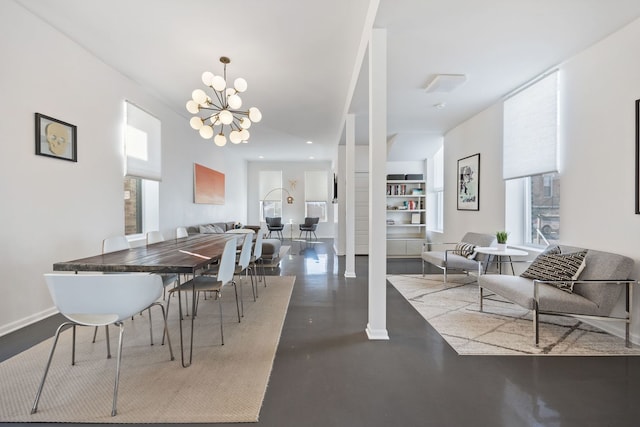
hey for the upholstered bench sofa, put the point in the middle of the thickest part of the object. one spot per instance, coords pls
(270, 247)
(592, 292)
(450, 259)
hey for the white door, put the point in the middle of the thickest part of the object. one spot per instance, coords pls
(362, 213)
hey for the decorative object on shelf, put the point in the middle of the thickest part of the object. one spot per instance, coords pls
(223, 109)
(55, 138)
(469, 183)
(208, 186)
(501, 237)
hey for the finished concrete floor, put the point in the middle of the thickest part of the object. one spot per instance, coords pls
(327, 373)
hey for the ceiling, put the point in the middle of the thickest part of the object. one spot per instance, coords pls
(302, 58)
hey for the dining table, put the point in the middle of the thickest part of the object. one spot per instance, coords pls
(186, 255)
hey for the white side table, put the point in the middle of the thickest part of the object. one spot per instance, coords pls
(500, 254)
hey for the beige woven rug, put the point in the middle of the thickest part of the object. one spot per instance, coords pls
(224, 383)
(502, 328)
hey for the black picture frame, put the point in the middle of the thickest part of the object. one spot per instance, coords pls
(637, 156)
(469, 183)
(55, 138)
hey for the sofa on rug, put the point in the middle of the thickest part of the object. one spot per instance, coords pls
(270, 247)
(457, 257)
(568, 281)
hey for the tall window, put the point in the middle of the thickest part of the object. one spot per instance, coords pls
(437, 196)
(143, 172)
(270, 194)
(530, 163)
(316, 194)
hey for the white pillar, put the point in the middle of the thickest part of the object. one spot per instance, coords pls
(377, 326)
(350, 197)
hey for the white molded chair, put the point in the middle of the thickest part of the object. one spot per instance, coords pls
(181, 232)
(256, 259)
(215, 284)
(242, 266)
(100, 300)
(115, 243)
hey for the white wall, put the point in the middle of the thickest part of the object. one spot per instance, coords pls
(480, 134)
(55, 210)
(598, 88)
(291, 171)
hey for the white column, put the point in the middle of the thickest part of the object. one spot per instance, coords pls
(377, 326)
(350, 197)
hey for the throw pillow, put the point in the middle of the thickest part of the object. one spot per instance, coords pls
(207, 229)
(218, 229)
(557, 267)
(464, 249)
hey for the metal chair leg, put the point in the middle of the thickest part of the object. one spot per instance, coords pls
(219, 297)
(34, 408)
(119, 359)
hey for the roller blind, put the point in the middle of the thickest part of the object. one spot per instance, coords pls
(316, 186)
(438, 171)
(270, 180)
(143, 148)
(531, 130)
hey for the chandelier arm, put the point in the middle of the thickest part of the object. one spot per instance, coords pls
(219, 97)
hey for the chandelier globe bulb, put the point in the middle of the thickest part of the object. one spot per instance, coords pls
(220, 140)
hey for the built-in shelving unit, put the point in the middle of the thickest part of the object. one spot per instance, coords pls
(406, 217)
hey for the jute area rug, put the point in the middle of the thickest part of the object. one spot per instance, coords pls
(502, 328)
(224, 383)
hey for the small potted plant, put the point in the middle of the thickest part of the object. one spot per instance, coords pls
(501, 237)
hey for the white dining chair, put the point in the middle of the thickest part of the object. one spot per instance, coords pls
(181, 232)
(210, 283)
(101, 300)
(256, 259)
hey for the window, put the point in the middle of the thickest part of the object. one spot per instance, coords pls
(143, 172)
(530, 163)
(270, 189)
(436, 201)
(316, 194)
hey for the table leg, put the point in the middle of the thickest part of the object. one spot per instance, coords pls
(185, 365)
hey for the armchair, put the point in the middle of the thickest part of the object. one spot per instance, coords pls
(309, 226)
(449, 259)
(274, 223)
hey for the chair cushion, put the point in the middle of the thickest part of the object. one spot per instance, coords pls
(454, 261)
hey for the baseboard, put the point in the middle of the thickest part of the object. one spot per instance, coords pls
(26, 321)
(377, 334)
(350, 274)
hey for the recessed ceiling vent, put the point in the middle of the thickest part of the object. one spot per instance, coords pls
(444, 83)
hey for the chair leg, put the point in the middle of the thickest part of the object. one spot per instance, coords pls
(34, 408)
(165, 332)
(237, 305)
(150, 326)
(218, 296)
(481, 297)
(118, 361)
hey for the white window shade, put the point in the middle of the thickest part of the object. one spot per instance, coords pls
(316, 186)
(531, 130)
(270, 180)
(143, 144)
(438, 170)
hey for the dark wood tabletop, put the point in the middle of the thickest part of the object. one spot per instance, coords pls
(184, 255)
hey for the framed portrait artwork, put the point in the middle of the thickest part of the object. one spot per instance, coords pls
(55, 138)
(469, 183)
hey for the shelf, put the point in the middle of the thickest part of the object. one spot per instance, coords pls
(405, 238)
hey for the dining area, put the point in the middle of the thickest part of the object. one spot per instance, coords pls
(208, 319)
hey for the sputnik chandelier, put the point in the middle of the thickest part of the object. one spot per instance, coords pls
(222, 109)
